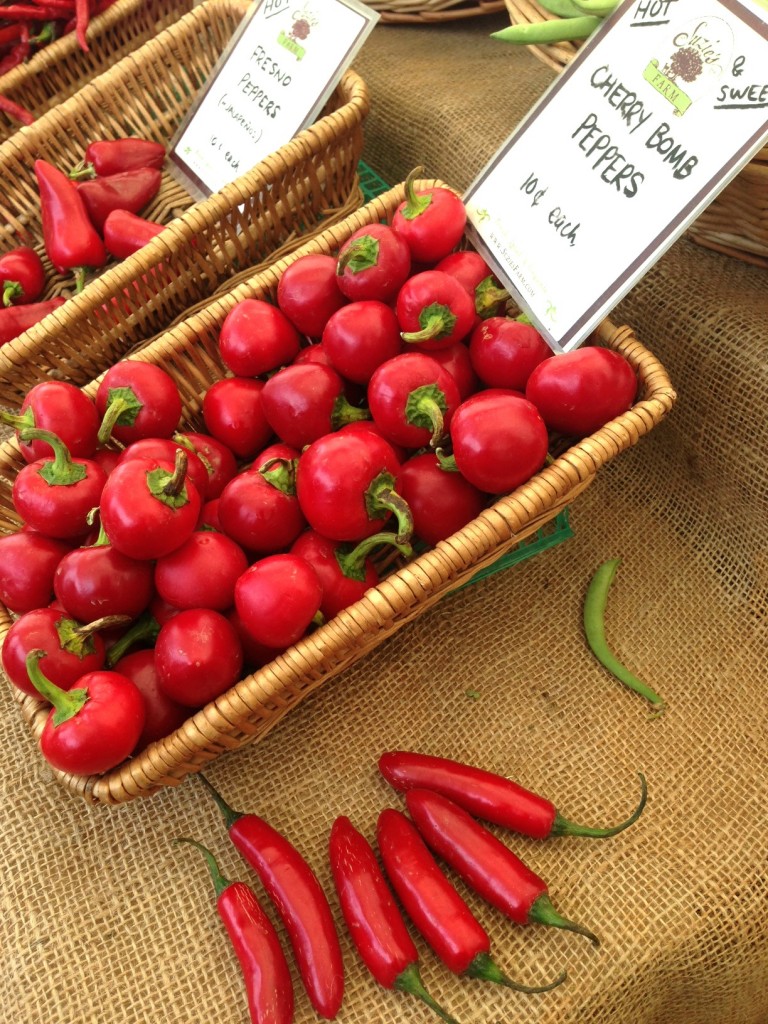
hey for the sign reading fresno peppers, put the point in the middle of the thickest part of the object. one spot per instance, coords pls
(659, 110)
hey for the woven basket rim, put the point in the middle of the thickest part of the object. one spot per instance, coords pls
(436, 13)
(399, 596)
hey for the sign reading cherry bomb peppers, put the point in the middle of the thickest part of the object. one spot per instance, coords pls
(659, 110)
(273, 80)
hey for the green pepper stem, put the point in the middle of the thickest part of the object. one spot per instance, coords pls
(594, 626)
(564, 827)
(352, 563)
(415, 204)
(66, 703)
(11, 290)
(344, 412)
(410, 981)
(281, 474)
(426, 407)
(361, 254)
(146, 627)
(82, 172)
(115, 409)
(436, 321)
(80, 273)
(220, 883)
(483, 966)
(543, 912)
(381, 496)
(61, 471)
(229, 815)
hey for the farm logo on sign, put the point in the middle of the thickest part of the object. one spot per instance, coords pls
(303, 22)
(697, 58)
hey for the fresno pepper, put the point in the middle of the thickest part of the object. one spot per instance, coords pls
(14, 320)
(22, 276)
(299, 899)
(372, 916)
(256, 944)
(437, 910)
(16, 111)
(125, 233)
(71, 241)
(484, 862)
(491, 797)
(113, 156)
(129, 190)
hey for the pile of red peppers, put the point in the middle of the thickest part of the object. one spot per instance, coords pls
(445, 800)
(88, 215)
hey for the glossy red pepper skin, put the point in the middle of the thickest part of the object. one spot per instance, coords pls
(71, 241)
(483, 861)
(14, 320)
(300, 901)
(431, 221)
(22, 276)
(125, 233)
(113, 156)
(484, 794)
(129, 190)
(256, 944)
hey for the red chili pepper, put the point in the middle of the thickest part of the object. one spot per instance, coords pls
(125, 232)
(19, 52)
(372, 916)
(484, 862)
(256, 945)
(490, 796)
(16, 111)
(431, 221)
(62, 408)
(91, 727)
(113, 156)
(10, 33)
(14, 320)
(437, 910)
(129, 190)
(299, 899)
(24, 12)
(71, 241)
(434, 310)
(82, 18)
(22, 276)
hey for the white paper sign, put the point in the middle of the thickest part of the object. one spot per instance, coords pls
(659, 110)
(277, 74)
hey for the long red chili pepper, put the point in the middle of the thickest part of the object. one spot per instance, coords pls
(484, 862)
(19, 52)
(82, 18)
(16, 111)
(435, 907)
(372, 916)
(490, 796)
(14, 320)
(71, 241)
(256, 945)
(299, 899)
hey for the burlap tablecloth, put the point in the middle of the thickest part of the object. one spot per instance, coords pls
(104, 922)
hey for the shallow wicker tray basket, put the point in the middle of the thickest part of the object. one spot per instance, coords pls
(432, 12)
(307, 183)
(61, 68)
(247, 712)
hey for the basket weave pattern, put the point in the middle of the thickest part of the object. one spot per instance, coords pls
(61, 68)
(431, 12)
(295, 192)
(247, 712)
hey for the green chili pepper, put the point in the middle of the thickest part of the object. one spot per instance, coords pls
(555, 31)
(594, 627)
(562, 8)
(600, 8)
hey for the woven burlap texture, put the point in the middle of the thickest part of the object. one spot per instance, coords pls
(105, 922)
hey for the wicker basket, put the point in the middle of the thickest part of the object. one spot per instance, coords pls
(255, 705)
(306, 184)
(60, 69)
(406, 12)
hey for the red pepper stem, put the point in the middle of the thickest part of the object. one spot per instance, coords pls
(415, 204)
(77, 637)
(380, 496)
(436, 321)
(61, 471)
(66, 703)
(82, 172)
(484, 967)
(220, 883)
(361, 254)
(426, 407)
(80, 273)
(174, 486)
(11, 290)
(564, 827)
(543, 912)
(146, 627)
(19, 421)
(344, 412)
(446, 462)
(410, 981)
(281, 474)
(229, 815)
(352, 563)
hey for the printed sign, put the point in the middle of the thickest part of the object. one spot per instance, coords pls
(659, 110)
(274, 79)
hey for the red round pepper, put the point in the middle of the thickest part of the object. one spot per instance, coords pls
(484, 862)
(372, 916)
(431, 221)
(22, 276)
(256, 944)
(491, 797)
(437, 910)
(64, 410)
(299, 899)
(71, 241)
(434, 310)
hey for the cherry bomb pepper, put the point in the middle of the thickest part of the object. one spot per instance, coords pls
(372, 916)
(71, 241)
(256, 945)
(484, 862)
(299, 899)
(491, 797)
(437, 910)
(22, 276)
